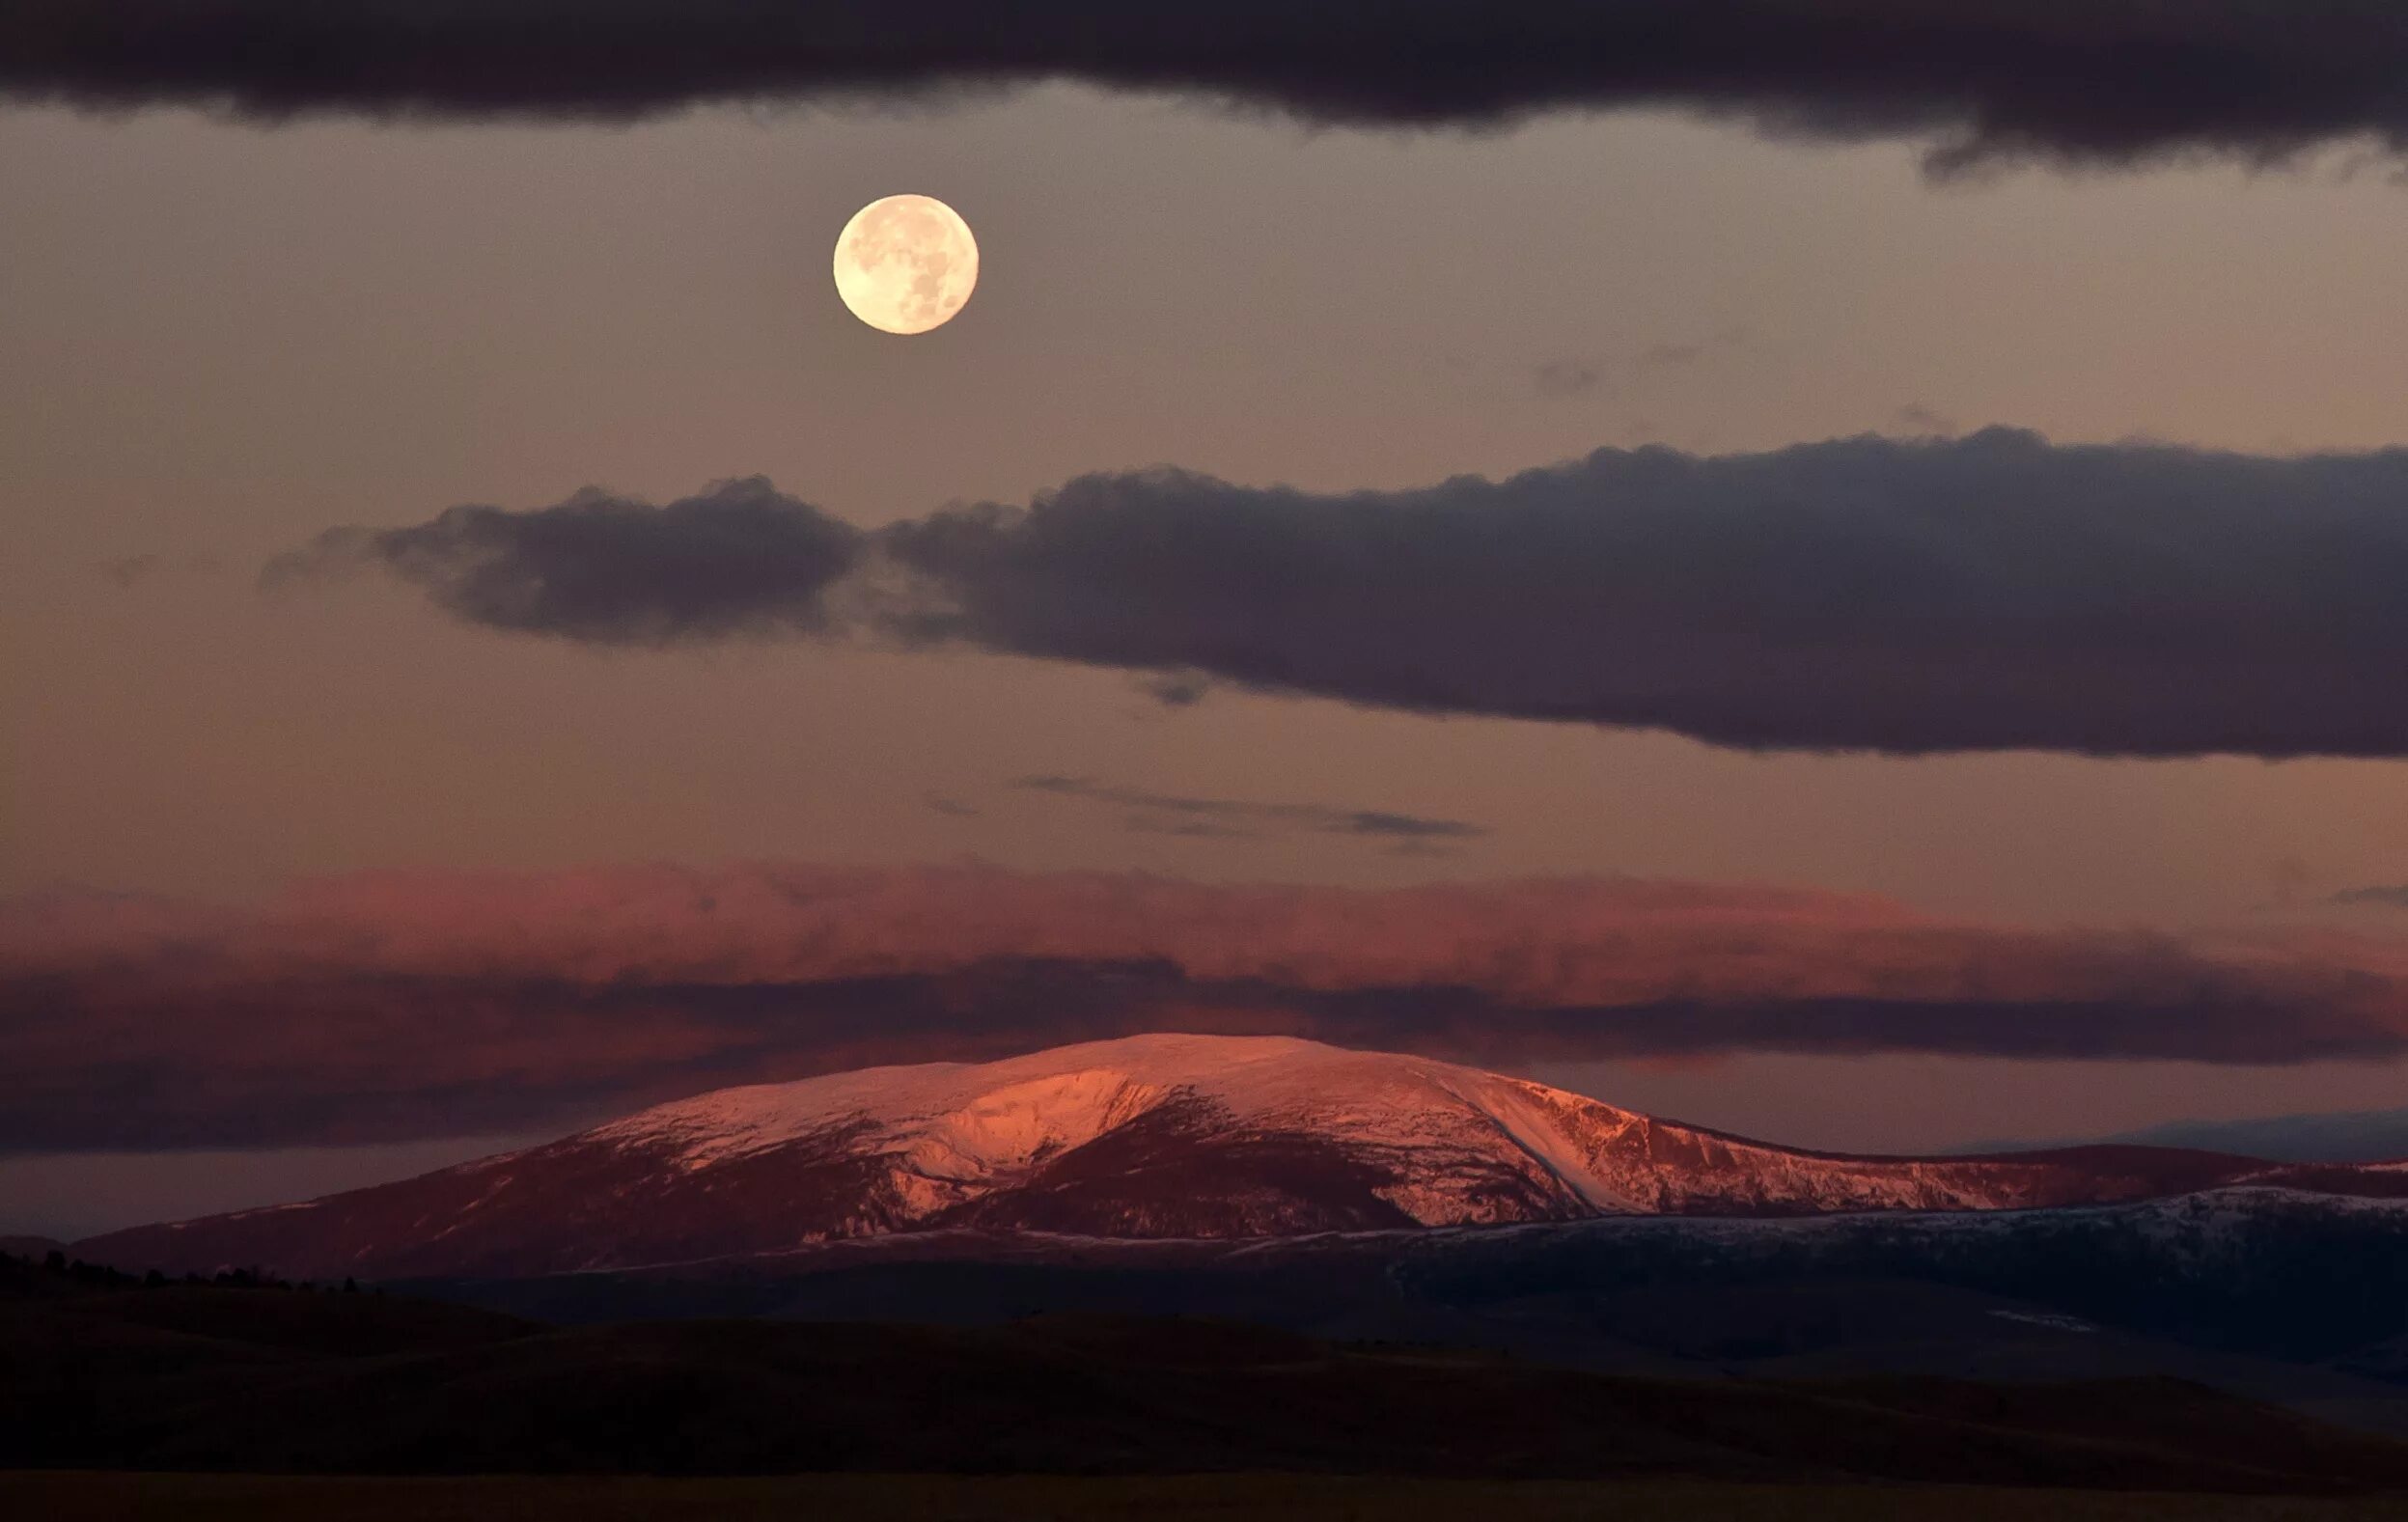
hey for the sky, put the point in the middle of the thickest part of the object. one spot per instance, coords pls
(1901, 575)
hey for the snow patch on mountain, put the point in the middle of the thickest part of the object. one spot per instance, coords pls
(1532, 1117)
(949, 1127)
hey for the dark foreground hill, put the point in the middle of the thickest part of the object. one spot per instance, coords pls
(122, 1497)
(200, 1377)
(2272, 1295)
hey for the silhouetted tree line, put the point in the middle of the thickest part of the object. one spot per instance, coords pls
(57, 1264)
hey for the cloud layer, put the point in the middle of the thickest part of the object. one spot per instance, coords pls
(1910, 596)
(2084, 81)
(384, 1007)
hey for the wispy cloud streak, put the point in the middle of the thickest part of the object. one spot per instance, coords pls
(1174, 813)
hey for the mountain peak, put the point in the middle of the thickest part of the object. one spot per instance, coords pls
(1006, 1113)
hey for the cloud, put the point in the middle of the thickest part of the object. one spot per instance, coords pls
(1565, 377)
(1673, 356)
(1229, 818)
(390, 1005)
(124, 571)
(739, 558)
(2067, 81)
(1188, 829)
(2381, 898)
(1990, 592)
(1179, 689)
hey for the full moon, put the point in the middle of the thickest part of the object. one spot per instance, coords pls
(906, 264)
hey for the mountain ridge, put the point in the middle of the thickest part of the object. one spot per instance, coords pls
(2350, 1136)
(1148, 1136)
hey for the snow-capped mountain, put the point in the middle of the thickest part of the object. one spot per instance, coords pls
(1149, 1136)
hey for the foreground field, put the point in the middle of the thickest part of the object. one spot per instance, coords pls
(64, 1497)
(116, 1397)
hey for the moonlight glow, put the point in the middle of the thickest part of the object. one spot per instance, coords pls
(906, 264)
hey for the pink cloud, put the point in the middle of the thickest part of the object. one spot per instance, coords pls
(394, 1004)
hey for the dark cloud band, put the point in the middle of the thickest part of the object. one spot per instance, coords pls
(737, 558)
(2089, 81)
(386, 1006)
(1991, 593)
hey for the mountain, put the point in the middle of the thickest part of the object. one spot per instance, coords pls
(1150, 1137)
(30, 1246)
(2357, 1136)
